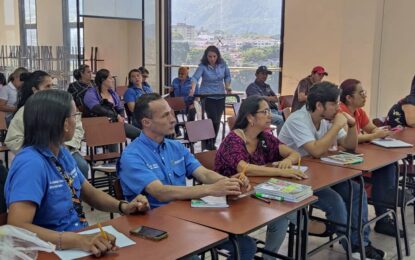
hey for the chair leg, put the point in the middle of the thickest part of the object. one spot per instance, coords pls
(405, 234)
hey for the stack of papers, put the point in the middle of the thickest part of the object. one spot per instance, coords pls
(290, 191)
(390, 143)
(210, 202)
(343, 159)
(105, 166)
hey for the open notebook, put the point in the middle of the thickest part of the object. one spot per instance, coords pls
(391, 143)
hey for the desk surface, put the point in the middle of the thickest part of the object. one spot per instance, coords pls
(406, 135)
(242, 217)
(320, 176)
(373, 159)
(184, 238)
(402, 150)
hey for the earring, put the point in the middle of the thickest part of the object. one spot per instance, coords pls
(252, 123)
(66, 130)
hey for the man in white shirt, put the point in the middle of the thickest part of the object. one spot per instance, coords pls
(312, 130)
(8, 94)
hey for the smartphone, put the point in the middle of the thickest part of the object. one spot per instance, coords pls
(149, 233)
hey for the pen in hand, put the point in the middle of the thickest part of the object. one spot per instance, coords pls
(103, 234)
(299, 163)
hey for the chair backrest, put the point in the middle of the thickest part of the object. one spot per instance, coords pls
(99, 131)
(200, 130)
(379, 121)
(286, 112)
(231, 121)
(3, 177)
(120, 90)
(119, 195)
(207, 159)
(236, 107)
(286, 101)
(176, 103)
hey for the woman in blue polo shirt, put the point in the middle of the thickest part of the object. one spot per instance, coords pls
(136, 88)
(103, 101)
(216, 79)
(44, 187)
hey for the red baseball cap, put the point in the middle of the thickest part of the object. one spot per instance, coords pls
(319, 70)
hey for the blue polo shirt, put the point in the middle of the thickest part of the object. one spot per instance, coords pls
(213, 78)
(134, 92)
(33, 177)
(144, 161)
(183, 89)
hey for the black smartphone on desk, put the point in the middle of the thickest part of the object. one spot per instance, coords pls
(149, 233)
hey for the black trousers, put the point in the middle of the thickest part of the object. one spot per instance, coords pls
(214, 110)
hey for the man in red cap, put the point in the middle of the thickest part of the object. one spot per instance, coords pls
(301, 92)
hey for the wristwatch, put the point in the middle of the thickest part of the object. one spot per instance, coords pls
(120, 206)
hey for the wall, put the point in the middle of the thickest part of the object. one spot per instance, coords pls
(369, 40)
(118, 42)
(49, 22)
(9, 22)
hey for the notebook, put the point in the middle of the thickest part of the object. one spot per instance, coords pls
(391, 143)
(290, 191)
(342, 159)
(210, 202)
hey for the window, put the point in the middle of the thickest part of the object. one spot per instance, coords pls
(28, 26)
(248, 35)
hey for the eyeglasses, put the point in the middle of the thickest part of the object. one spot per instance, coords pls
(363, 93)
(77, 114)
(266, 112)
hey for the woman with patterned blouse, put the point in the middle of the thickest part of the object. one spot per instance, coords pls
(250, 146)
(403, 112)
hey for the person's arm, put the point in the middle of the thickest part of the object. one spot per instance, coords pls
(21, 215)
(409, 111)
(371, 132)
(195, 79)
(6, 108)
(76, 140)
(319, 147)
(349, 142)
(301, 89)
(15, 132)
(262, 170)
(222, 187)
(104, 202)
(227, 80)
(131, 106)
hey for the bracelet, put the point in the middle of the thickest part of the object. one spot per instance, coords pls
(59, 246)
(120, 206)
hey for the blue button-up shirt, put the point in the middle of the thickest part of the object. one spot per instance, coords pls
(213, 78)
(183, 89)
(144, 161)
(134, 92)
(33, 177)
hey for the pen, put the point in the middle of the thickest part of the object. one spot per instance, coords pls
(262, 195)
(242, 175)
(103, 234)
(261, 199)
(299, 163)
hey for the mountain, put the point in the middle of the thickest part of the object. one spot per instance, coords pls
(235, 17)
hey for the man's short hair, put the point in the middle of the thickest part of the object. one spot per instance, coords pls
(142, 108)
(322, 92)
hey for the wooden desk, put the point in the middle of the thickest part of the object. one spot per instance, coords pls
(373, 159)
(406, 135)
(185, 238)
(320, 175)
(242, 217)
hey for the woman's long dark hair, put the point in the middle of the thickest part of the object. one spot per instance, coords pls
(413, 86)
(44, 117)
(30, 81)
(211, 48)
(348, 87)
(248, 107)
(100, 77)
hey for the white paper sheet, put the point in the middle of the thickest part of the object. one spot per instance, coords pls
(122, 241)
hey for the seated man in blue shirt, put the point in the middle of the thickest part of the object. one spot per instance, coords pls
(260, 88)
(158, 167)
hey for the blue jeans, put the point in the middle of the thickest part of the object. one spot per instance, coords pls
(333, 201)
(276, 232)
(277, 119)
(247, 247)
(383, 182)
(81, 163)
